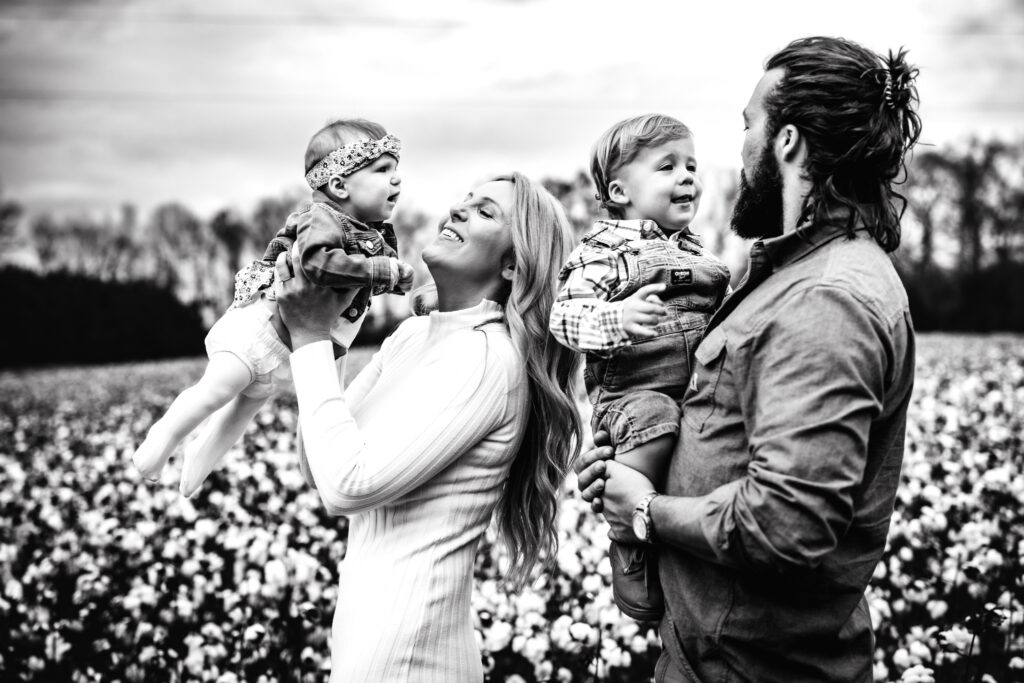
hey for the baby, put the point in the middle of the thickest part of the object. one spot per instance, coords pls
(635, 297)
(342, 242)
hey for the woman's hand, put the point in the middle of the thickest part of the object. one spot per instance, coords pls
(308, 311)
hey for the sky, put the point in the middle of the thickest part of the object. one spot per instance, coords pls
(211, 103)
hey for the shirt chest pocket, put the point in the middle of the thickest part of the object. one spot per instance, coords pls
(366, 243)
(700, 401)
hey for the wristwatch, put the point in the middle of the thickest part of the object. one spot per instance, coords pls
(643, 527)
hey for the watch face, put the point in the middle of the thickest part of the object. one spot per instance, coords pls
(640, 527)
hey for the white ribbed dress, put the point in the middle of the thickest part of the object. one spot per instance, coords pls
(415, 453)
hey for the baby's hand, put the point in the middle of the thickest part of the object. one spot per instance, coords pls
(405, 276)
(642, 310)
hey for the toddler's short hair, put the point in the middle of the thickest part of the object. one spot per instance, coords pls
(621, 143)
(339, 133)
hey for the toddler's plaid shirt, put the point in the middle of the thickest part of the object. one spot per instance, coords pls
(584, 318)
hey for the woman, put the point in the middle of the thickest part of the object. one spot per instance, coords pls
(461, 411)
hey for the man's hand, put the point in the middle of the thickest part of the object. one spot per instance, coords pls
(590, 467)
(642, 310)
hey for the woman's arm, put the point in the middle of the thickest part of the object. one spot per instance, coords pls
(307, 313)
(436, 413)
(356, 390)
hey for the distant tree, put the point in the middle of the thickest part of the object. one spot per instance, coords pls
(173, 234)
(10, 212)
(579, 199)
(123, 260)
(232, 232)
(175, 228)
(269, 217)
(46, 235)
(931, 192)
(1004, 202)
(974, 195)
(971, 169)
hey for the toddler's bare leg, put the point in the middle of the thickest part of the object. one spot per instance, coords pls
(224, 378)
(221, 433)
(651, 459)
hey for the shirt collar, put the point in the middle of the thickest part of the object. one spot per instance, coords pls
(323, 198)
(647, 230)
(445, 322)
(793, 246)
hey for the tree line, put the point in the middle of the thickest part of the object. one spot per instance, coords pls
(962, 256)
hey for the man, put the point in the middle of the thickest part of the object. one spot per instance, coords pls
(782, 483)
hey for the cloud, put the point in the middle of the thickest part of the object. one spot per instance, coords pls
(177, 99)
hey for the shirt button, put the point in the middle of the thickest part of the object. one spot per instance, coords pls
(352, 312)
(368, 244)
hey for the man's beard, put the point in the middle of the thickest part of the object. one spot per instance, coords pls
(757, 212)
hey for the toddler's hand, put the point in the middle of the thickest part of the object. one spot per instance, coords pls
(405, 276)
(642, 310)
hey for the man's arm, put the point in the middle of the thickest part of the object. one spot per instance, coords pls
(817, 381)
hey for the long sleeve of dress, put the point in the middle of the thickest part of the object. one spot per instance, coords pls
(340, 364)
(435, 412)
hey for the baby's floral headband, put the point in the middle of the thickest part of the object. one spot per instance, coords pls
(351, 158)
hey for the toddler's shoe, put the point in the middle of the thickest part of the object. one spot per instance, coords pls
(635, 584)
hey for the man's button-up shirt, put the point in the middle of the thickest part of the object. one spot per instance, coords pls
(789, 454)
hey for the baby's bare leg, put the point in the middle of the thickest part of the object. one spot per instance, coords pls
(280, 329)
(650, 459)
(226, 375)
(221, 433)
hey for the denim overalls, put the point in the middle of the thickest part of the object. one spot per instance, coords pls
(636, 391)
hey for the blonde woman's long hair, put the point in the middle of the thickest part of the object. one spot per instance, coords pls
(528, 511)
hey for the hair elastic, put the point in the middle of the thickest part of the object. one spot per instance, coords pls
(892, 88)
